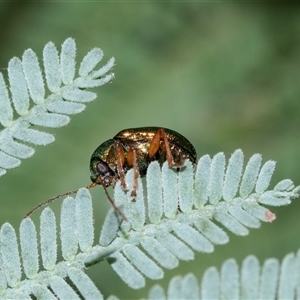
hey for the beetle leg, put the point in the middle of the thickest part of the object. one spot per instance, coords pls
(130, 157)
(132, 161)
(155, 145)
(168, 150)
(120, 162)
(136, 175)
(169, 153)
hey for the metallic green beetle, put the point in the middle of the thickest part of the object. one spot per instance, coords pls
(138, 146)
(133, 148)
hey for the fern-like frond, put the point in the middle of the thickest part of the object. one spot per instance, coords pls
(272, 280)
(77, 237)
(189, 211)
(177, 219)
(34, 99)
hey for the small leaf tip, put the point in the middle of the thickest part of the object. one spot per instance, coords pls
(270, 216)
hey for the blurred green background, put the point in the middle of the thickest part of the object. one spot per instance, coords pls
(225, 75)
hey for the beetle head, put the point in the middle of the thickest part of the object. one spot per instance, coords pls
(101, 173)
(100, 169)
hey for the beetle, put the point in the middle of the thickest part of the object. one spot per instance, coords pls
(133, 148)
(113, 158)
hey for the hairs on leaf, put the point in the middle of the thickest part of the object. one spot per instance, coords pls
(272, 280)
(26, 96)
(154, 237)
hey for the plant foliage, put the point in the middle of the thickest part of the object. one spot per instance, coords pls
(272, 280)
(191, 218)
(181, 211)
(26, 103)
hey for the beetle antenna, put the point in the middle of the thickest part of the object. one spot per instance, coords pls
(92, 185)
(48, 202)
(113, 204)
